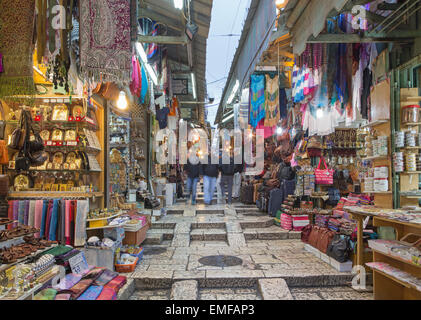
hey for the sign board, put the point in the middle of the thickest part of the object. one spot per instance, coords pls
(180, 87)
(78, 264)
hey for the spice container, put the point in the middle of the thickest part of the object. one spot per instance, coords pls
(411, 114)
(410, 138)
(400, 139)
(381, 185)
(398, 162)
(411, 162)
(381, 172)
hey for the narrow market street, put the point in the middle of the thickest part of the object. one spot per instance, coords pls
(235, 252)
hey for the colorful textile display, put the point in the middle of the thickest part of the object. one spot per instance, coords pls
(105, 40)
(91, 293)
(257, 99)
(112, 288)
(68, 282)
(16, 46)
(272, 100)
(46, 294)
(78, 289)
(105, 277)
(63, 296)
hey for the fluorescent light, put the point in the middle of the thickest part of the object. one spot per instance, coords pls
(141, 51)
(227, 118)
(193, 80)
(234, 92)
(178, 4)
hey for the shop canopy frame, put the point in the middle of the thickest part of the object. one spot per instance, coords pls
(184, 56)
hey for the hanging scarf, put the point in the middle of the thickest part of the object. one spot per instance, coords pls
(144, 89)
(17, 20)
(272, 101)
(82, 210)
(257, 92)
(105, 40)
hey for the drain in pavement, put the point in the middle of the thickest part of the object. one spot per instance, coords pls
(221, 261)
(153, 251)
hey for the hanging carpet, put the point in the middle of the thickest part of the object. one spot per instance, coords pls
(105, 40)
(16, 46)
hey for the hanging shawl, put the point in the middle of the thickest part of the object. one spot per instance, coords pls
(105, 34)
(135, 86)
(17, 20)
(144, 90)
(257, 92)
(272, 101)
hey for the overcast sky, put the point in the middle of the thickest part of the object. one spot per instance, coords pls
(227, 18)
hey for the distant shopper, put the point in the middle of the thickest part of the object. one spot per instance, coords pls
(193, 176)
(227, 177)
(210, 175)
(237, 180)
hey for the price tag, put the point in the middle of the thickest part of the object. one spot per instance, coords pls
(78, 263)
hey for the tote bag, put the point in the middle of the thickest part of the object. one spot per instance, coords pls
(323, 176)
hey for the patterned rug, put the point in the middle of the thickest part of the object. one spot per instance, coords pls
(105, 40)
(16, 46)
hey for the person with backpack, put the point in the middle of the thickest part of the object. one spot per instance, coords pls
(210, 175)
(193, 175)
(227, 179)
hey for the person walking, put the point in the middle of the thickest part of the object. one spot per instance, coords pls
(238, 169)
(193, 174)
(210, 175)
(227, 177)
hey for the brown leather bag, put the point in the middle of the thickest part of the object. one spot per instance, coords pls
(325, 239)
(314, 236)
(4, 154)
(305, 233)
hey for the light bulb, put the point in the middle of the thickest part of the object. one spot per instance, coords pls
(279, 2)
(122, 101)
(319, 113)
(279, 131)
(178, 4)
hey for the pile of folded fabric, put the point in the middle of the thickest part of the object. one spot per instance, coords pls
(347, 227)
(322, 220)
(95, 284)
(334, 224)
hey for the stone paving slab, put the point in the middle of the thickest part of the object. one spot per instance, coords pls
(274, 289)
(184, 290)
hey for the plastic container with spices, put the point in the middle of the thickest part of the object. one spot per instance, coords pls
(411, 161)
(411, 113)
(400, 139)
(410, 138)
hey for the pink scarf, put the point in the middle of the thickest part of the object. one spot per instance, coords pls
(67, 222)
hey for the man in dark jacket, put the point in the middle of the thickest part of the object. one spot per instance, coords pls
(193, 175)
(227, 177)
(210, 174)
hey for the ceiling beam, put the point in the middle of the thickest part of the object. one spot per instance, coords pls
(296, 13)
(368, 37)
(388, 6)
(183, 40)
(174, 24)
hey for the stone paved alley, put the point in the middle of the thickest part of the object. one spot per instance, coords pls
(273, 265)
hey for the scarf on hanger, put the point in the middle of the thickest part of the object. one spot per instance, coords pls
(38, 216)
(257, 99)
(105, 40)
(16, 45)
(82, 209)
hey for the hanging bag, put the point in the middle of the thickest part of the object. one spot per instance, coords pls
(323, 176)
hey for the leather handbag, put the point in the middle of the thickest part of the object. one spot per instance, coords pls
(305, 233)
(323, 176)
(4, 153)
(314, 236)
(17, 138)
(2, 129)
(22, 162)
(325, 239)
(338, 249)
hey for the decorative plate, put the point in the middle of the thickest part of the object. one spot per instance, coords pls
(57, 135)
(21, 181)
(78, 111)
(45, 135)
(71, 157)
(58, 158)
(70, 135)
(60, 113)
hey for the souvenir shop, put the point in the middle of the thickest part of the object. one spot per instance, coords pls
(342, 159)
(76, 153)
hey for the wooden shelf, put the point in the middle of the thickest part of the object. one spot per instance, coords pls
(403, 283)
(377, 192)
(375, 123)
(4, 267)
(397, 258)
(105, 218)
(54, 194)
(410, 148)
(376, 158)
(410, 172)
(409, 124)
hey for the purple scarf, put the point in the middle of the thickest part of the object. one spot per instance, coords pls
(68, 282)
(91, 293)
(105, 277)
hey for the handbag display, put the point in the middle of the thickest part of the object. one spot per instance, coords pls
(17, 137)
(323, 176)
(314, 236)
(4, 153)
